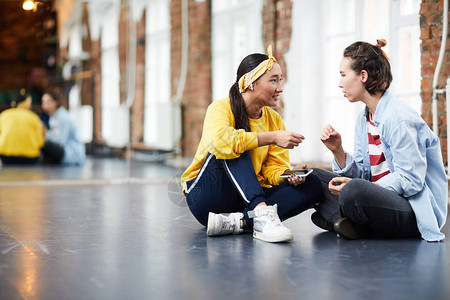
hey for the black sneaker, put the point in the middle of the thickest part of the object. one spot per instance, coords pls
(350, 230)
(319, 221)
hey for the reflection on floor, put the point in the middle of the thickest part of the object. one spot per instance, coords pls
(102, 232)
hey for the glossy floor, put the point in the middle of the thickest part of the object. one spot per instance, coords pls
(101, 232)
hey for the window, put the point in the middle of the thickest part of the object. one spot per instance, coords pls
(110, 72)
(241, 36)
(158, 116)
(405, 51)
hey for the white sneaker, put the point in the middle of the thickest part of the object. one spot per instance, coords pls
(223, 224)
(267, 225)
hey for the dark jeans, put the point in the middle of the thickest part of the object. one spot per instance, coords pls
(18, 160)
(226, 186)
(380, 210)
(52, 153)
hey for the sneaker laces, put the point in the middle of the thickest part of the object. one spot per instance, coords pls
(228, 224)
(272, 216)
(266, 213)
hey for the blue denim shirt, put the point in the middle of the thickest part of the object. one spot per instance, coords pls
(413, 155)
(64, 132)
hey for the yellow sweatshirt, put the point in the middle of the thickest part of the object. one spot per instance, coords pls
(21, 133)
(221, 139)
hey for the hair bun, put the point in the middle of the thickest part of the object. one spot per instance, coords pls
(381, 43)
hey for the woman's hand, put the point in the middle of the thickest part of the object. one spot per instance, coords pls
(296, 180)
(287, 139)
(331, 138)
(281, 138)
(337, 183)
(333, 141)
(300, 166)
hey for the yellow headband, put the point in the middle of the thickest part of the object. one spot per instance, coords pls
(250, 77)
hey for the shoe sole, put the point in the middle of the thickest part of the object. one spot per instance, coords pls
(347, 230)
(211, 222)
(273, 239)
(320, 222)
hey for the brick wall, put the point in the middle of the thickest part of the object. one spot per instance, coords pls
(198, 88)
(137, 109)
(277, 30)
(197, 92)
(97, 83)
(87, 81)
(124, 41)
(431, 34)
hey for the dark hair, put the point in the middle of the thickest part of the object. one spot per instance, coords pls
(20, 97)
(237, 102)
(54, 96)
(371, 58)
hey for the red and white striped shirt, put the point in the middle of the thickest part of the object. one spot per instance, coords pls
(378, 164)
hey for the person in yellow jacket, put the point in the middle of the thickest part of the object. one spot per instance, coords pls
(234, 179)
(21, 133)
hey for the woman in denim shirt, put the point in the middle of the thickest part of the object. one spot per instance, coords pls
(62, 144)
(395, 184)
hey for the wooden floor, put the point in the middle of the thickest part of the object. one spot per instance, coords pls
(104, 231)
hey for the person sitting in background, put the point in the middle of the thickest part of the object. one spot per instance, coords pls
(62, 145)
(21, 132)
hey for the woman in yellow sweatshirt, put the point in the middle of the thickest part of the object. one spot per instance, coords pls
(21, 133)
(234, 179)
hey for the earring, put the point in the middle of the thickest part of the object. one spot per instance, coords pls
(251, 86)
